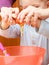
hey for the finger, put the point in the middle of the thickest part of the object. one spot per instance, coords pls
(22, 15)
(35, 19)
(13, 22)
(15, 12)
(14, 16)
(28, 17)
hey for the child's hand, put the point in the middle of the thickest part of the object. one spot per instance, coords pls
(38, 13)
(26, 14)
(5, 18)
(13, 12)
(29, 15)
(7, 15)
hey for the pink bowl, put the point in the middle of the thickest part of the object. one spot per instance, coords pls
(23, 55)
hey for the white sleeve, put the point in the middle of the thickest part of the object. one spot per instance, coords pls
(12, 32)
(44, 28)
